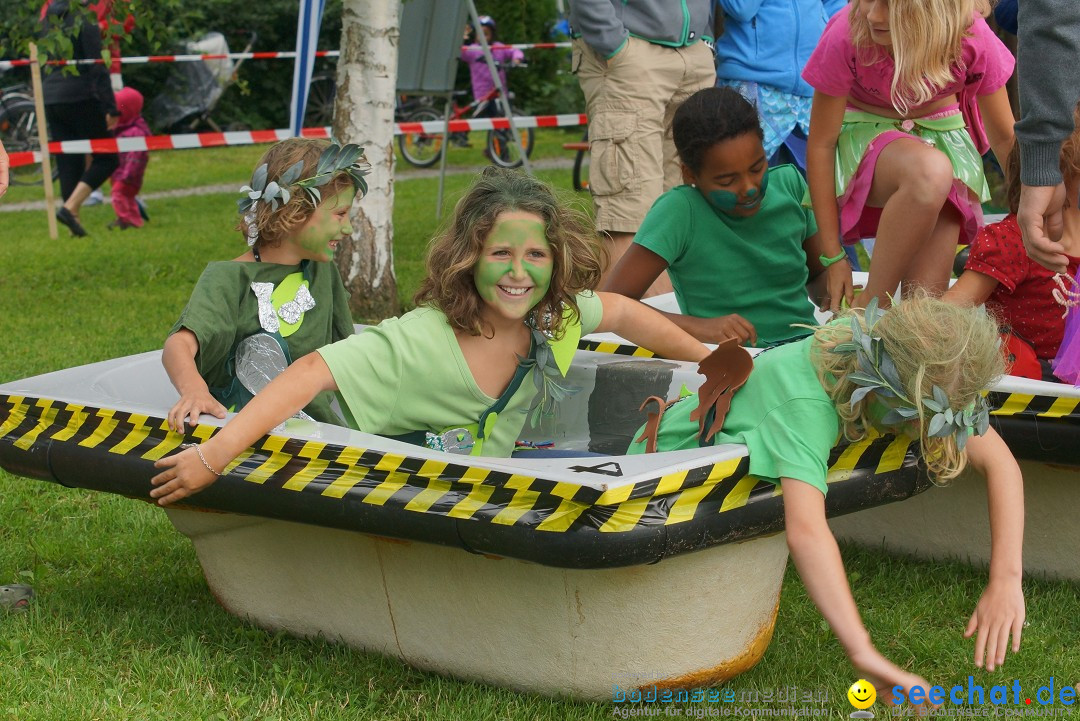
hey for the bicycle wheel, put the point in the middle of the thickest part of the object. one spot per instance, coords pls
(501, 148)
(581, 167)
(19, 131)
(421, 149)
(320, 106)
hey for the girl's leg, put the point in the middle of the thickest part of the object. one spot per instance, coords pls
(931, 267)
(911, 183)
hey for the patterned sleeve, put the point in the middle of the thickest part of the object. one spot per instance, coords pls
(831, 67)
(998, 252)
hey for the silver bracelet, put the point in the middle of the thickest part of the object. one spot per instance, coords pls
(198, 450)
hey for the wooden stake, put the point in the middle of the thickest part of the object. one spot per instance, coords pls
(43, 141)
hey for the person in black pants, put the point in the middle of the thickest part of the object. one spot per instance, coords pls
(79, 106)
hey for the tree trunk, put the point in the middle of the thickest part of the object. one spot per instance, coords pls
(364, 114)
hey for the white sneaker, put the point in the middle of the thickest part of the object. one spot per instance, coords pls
(96, 198)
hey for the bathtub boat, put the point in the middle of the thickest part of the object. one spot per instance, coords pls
(1040, 421)
(551, 575)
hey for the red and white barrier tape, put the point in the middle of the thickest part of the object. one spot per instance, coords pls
(250, 137)
(285, 54)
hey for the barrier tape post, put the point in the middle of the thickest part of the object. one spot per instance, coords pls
(43, 141)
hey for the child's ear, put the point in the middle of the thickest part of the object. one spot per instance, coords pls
(688, 175)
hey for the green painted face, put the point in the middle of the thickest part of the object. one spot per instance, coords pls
(317, 239)
(513, 273)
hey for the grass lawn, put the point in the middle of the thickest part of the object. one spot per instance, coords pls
(124, 626)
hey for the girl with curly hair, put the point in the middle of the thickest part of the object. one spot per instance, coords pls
(507, 296)
(284, 290)
(918, 369)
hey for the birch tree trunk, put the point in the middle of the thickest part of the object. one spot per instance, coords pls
(364, 114)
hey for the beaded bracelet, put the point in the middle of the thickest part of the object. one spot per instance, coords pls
(198, 450)
(827, 261)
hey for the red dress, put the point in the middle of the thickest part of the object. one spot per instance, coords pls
(1022, 300)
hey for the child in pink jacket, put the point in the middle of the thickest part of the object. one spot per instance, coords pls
(127, 179)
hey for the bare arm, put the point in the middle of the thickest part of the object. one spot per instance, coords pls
(636, 271)
(817, 558)
(826, 115)
(184, 473)
(3, 170)
(178, 357)
(998, 120)
(648, 328)
(1000, 610)
(971, 288)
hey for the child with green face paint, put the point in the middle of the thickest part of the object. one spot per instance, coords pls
(738, 240)
(506, 297)
(250, 317)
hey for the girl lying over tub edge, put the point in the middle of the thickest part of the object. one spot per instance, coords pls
(917, 369)
(505, 298)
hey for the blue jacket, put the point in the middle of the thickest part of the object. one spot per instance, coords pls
(769, 41)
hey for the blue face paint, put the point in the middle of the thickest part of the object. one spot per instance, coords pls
(724, 201)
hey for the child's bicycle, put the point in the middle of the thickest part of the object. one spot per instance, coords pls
(19, 131)
(424, 149)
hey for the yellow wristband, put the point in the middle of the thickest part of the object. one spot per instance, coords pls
(827, 261)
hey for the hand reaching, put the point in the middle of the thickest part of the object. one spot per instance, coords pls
(886, 675)
(191, 406)
(717, 330)
(1000, 611)
(839, 286)
(1041, 223)
(185, 473)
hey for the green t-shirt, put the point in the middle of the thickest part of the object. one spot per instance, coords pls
(782, 415)
(720, 264)
(408, 374)
(223, 310)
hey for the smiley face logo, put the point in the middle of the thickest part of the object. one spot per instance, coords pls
(862, 694)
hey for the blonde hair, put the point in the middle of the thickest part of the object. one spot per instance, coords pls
(274, 226)
(932, 343)
(454, 252)
(926, 50)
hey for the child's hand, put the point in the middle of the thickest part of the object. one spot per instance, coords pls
(886, 675)
(190, 406)
(1000, 611)
(185, 473)
(838, 287)
(717, 330)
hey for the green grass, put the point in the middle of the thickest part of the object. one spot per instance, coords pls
(124, 626)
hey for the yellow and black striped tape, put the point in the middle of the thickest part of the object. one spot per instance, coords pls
(424, 486)
(614, 348)
(1035, 407)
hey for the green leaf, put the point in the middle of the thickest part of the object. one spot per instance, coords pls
(292, 173)
(258, 179)
(938, 426)
(932, 405)
(859, 393)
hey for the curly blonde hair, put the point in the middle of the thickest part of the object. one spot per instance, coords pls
(455, 250)
(932, 343)
(926, 51)
(274, 226)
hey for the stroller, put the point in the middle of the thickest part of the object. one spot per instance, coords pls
(194, 88)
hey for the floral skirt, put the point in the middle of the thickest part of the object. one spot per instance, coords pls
(864, 135)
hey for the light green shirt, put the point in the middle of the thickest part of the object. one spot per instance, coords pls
(782, 415)
(408, 374)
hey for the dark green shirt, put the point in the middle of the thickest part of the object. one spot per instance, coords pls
(223, 310)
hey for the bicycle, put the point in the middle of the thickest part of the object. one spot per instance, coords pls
(424, 149)
(19, 131)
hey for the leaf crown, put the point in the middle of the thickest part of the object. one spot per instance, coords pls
(877, 373)
(335, 159)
